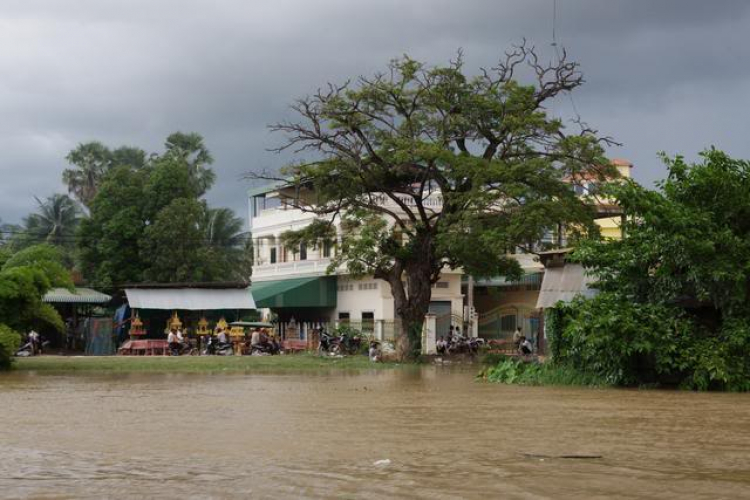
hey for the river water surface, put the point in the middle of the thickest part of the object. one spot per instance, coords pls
(422, 433)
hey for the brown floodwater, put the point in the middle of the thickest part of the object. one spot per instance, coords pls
(423, 433)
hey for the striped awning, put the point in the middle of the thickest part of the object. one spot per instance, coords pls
(77, 296)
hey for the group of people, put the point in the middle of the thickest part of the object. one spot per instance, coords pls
(177, 342)
(260, 342)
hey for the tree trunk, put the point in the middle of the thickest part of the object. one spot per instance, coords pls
(412, 303)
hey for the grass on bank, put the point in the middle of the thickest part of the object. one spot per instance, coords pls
(304, 363)
(516, 371)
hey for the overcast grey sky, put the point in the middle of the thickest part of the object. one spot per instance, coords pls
(668, 75)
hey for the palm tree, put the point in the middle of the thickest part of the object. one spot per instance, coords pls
(55, 221)
(228, 245)
(223, 229)
(190, 148)
(91, 161)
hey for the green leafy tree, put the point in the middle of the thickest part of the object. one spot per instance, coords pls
(675, 301)
(429, 168)
(47, 258)
(109, 239)
(147, 223)
(24, 279)
(168, 180)
(174, 244)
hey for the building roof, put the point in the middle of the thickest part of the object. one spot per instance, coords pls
(619, 162)
(190, 299)
(563, 284)
(77, 296)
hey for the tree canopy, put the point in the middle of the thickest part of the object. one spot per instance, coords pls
(427, 167)
(675, 305)
(150, 223)
(24, 279)
(91, 161)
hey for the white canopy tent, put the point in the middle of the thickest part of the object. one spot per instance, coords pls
(190, 299)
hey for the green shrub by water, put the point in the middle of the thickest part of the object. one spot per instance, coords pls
(9, 342)
(516, 371)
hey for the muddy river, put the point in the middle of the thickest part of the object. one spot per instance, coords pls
(429, 433)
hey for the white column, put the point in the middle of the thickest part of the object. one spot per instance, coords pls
(378, 330)
(429, 332)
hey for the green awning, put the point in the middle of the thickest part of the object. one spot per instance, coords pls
(297, 292)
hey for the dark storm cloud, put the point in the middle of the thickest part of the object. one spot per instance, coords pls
(661, 75)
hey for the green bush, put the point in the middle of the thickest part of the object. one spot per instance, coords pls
(9, 343)
(632, 344)
(516, 371)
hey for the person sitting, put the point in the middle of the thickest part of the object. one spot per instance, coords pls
(255, 338)
(275, 345)
(174, 342)
(441, 346)
(184, 342)
(517, 338)
(209, 344)
(222, 337)
(374, 352)
(524, 347)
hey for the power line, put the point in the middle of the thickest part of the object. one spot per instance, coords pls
(556, 48)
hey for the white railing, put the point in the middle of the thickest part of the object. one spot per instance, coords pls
(301, 267)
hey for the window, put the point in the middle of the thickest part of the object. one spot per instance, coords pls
(442, 284)
(368, 286)
(273, 255)
(508, 323)
(368, 322)
(326, 249)
(303, 251)
(344, 317)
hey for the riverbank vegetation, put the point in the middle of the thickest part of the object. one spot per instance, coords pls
(674, 301)
(24, 279)
(297, 363)
(517, 371)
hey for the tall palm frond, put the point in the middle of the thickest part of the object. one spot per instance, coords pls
(55, 220)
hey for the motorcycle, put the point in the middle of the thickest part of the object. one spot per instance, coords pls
(215, 348)
(27, 349)
(464, 345)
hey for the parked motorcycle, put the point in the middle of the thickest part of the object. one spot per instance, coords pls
(340, 344)
(215, 348)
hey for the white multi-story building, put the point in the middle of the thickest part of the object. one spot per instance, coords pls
(298, 285)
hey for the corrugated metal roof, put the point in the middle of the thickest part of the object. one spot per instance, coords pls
(78, 296)
(562, 284)
(191, 299)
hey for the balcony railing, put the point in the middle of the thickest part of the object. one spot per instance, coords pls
(303, 267)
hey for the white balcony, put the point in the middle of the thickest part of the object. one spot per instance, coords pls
(279, 219)
(299, 268)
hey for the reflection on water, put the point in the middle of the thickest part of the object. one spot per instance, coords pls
(446, 436)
